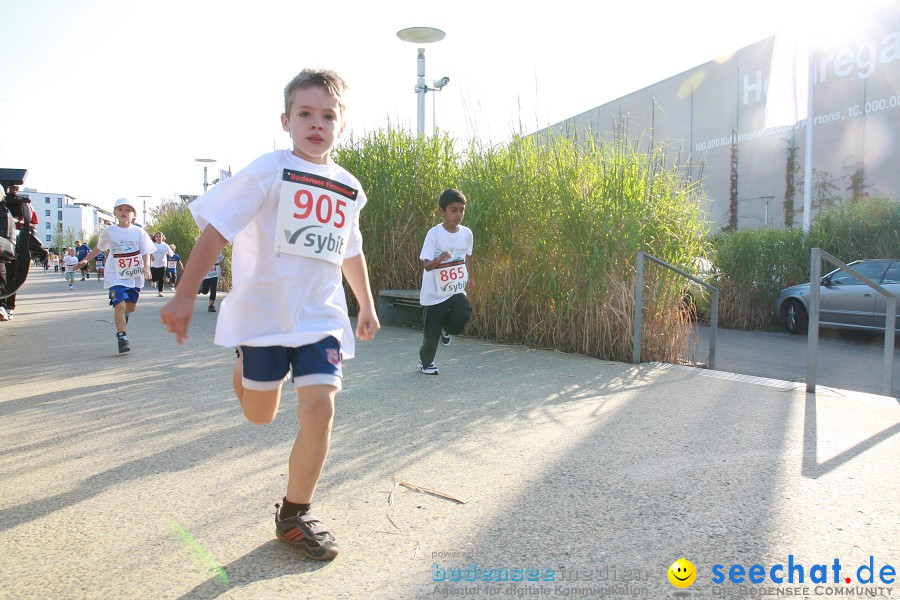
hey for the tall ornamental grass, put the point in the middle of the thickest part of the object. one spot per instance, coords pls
(557, 227)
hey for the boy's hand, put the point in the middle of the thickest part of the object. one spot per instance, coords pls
(176, 315)
(444, 256)
(146, 273)
(367, 324)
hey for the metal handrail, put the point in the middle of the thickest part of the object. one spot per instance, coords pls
(890, 319)
(639, 308)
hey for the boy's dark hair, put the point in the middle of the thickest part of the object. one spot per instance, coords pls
(450, 196)
(327, 79)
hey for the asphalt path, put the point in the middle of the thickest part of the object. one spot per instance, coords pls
(849, 360)
(136, 476)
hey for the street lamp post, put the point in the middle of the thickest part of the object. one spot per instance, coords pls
(206, 162)
(144, 199)
(766, 199)
(421, 35)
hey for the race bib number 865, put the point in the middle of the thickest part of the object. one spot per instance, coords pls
(450, 278)
(314, 216)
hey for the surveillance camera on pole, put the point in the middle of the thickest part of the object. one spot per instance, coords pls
(421, 35)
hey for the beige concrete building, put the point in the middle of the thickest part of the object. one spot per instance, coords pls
(707, 113)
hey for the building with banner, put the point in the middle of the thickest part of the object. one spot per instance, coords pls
(711, 120)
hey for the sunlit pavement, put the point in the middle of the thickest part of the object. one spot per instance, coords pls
(136, 476)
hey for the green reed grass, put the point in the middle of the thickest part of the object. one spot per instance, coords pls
(557, 227)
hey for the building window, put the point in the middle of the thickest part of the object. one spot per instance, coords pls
(48, 238)
(46, 225)
(59, 215)
(47, 213)
(59, 203)
(46, 199)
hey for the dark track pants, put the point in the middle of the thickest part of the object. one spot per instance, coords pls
(451, 315)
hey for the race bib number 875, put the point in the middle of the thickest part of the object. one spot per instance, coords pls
(128, 265)
(314, 216)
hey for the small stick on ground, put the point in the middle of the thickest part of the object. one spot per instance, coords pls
(425, 490)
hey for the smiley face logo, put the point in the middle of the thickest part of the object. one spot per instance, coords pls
(682, 573)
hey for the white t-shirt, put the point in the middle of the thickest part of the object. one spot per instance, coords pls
(437, 241)
(216, 271)
(70, 262)
(124, 241)
(158, 258)
(277, 299)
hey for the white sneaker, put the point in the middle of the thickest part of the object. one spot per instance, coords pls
(160, 294)
(429, 370)
(445, 338)
(4, 315)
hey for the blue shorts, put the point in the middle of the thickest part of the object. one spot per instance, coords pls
(264, 368)
(120, 293)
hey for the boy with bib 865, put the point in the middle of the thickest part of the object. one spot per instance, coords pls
(447, 262)
(293, 220)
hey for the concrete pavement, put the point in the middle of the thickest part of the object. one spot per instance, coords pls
(136, 476)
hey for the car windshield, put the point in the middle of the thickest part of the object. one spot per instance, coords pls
(893, 274)
(872, 270)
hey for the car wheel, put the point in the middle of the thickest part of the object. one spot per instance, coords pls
(795, 316)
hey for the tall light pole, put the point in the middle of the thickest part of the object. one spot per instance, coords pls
(421, 35)
(144, 198)
(206, 162)
(766, 199)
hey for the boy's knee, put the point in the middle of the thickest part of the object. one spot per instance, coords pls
(260, 407)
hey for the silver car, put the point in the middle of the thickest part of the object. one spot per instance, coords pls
(844, 301)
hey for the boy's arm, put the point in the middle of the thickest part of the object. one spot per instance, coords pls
(357, 274)
(176, 314)
(429, 265)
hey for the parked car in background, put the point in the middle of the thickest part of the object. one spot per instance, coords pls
(844, 301)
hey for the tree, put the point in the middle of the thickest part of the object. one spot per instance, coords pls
(790, 172)
(733, 199)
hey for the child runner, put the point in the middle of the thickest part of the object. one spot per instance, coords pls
(70, 261)
(211, 282)
(99, 264)
(158, 261)
(447, 260)
(129, 260)
(287, 310)
(173, 263)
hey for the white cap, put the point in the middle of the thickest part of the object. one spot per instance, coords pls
(124, 202)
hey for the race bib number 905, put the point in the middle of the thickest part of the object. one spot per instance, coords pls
(127, 266)
(450, 278)
(314, 216)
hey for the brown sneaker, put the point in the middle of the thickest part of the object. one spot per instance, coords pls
(308, 534)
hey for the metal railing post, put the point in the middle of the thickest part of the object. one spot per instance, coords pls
(890, 322)
(812, 336)
(638, 308)
(713, 326)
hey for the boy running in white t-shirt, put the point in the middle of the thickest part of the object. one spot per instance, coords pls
(128, 265)
(293, 220)
(447, 259)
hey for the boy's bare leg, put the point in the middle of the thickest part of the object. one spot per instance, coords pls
(260, 406)
(315, 412)
(119, 315)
